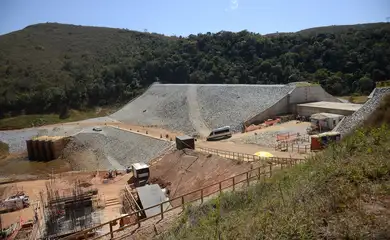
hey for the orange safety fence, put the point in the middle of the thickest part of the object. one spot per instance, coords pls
(272, 122)
(267, 123)
(287, 136)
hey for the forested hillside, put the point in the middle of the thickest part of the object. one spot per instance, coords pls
(53, 67)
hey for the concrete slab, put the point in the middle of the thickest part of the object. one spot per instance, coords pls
(333, 105)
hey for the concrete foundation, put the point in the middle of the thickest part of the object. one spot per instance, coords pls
(302, 93)
(345, 109)
(45, 148)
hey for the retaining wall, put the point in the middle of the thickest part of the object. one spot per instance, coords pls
(350, 123)
(305, 94)
(308, 111)
(279, 108)
(288, 104)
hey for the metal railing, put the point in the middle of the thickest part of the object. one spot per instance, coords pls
(232, 183)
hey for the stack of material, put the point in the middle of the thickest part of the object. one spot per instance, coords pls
(46, 148)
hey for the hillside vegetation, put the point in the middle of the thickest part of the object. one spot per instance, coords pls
(342, 193)
(55, 67)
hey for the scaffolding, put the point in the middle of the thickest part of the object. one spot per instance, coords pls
(69, 210)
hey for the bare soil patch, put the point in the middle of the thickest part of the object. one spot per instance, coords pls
(186, 170)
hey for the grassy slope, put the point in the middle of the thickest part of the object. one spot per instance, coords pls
(356, 99)
(4, 150)
(25, 121)
(343, 193)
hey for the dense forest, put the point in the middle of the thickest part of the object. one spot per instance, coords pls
(54, 67)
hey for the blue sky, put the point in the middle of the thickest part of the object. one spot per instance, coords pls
(183, 17)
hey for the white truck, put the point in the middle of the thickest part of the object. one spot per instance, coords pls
(16, 202)
(141, 173)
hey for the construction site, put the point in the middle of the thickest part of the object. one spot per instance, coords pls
(133, 172)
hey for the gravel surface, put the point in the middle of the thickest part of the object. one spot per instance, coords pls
(115, 148)
(163, 105)
(351, 122)
(230, 105)
(176, 106)
(268, 138)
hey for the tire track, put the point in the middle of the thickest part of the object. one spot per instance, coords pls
(194, 111)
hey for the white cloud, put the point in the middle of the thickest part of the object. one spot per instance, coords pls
(233, 5)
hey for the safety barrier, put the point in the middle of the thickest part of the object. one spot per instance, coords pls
(241, 156)
(232, 183)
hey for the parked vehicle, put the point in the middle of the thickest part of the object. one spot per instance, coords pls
(220, 133)
(141, 173)
(17, 202)
(97, 129)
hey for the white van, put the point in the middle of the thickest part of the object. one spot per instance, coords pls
(220, 133)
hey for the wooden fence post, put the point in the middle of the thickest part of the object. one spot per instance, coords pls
(233, 184)
(247, 178)
(281, 163)
(259, 172)
(201, 195)
(270, 170)
(182, 201)
(111, 232)
(162, 210)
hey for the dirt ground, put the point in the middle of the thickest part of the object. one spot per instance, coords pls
(184, 171)
(179, 171)
(107, 192)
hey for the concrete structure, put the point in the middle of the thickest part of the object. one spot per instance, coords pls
(151, 195)
(350, 123)
(326, 121)
(46, 148)
(185, 142)
(301, 92)
(346, 109)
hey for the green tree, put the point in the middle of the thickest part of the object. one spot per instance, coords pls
(366, 84)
